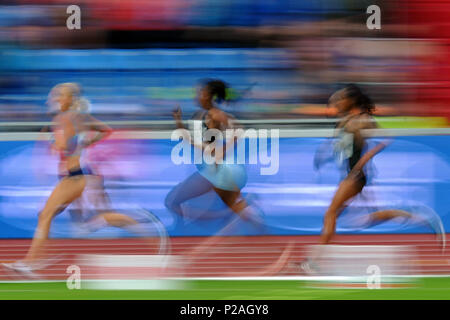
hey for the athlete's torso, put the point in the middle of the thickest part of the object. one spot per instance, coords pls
(224, 176)
(351, 144)
(72, 122)
(210, 120)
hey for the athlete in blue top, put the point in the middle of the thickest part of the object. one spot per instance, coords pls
(227, 180)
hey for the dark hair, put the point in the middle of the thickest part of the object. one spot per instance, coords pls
(360, 99)
(217, 88)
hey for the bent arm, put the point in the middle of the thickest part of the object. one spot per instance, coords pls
(370, 154)
(102, 129)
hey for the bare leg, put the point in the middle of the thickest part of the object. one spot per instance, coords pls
(386, 215)
(64, 193)
(193, 187)
(118, 220)
(239, 205)
(347, 189)
(231, 199)
(97, 194)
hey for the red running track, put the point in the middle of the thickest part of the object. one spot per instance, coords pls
(229, 256)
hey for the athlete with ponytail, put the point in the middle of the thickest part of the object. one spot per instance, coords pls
(355, 111)
(69, 127)
(227, 180)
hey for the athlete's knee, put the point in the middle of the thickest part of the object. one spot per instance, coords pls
(172, 203)
(168, 202)
(239, 206)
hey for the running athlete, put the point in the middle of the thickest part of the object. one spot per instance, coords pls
(355, 110)
(227, 180)
(69, 128)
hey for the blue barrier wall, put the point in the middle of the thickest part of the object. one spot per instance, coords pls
(413, 173)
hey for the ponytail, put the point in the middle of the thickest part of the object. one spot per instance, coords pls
(80, 103)
(360, 99)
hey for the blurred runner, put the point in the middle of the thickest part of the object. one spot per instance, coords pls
(70, 130)
(355, 110)
(227, 180)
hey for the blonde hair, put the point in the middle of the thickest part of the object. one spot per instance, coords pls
(79, 104)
